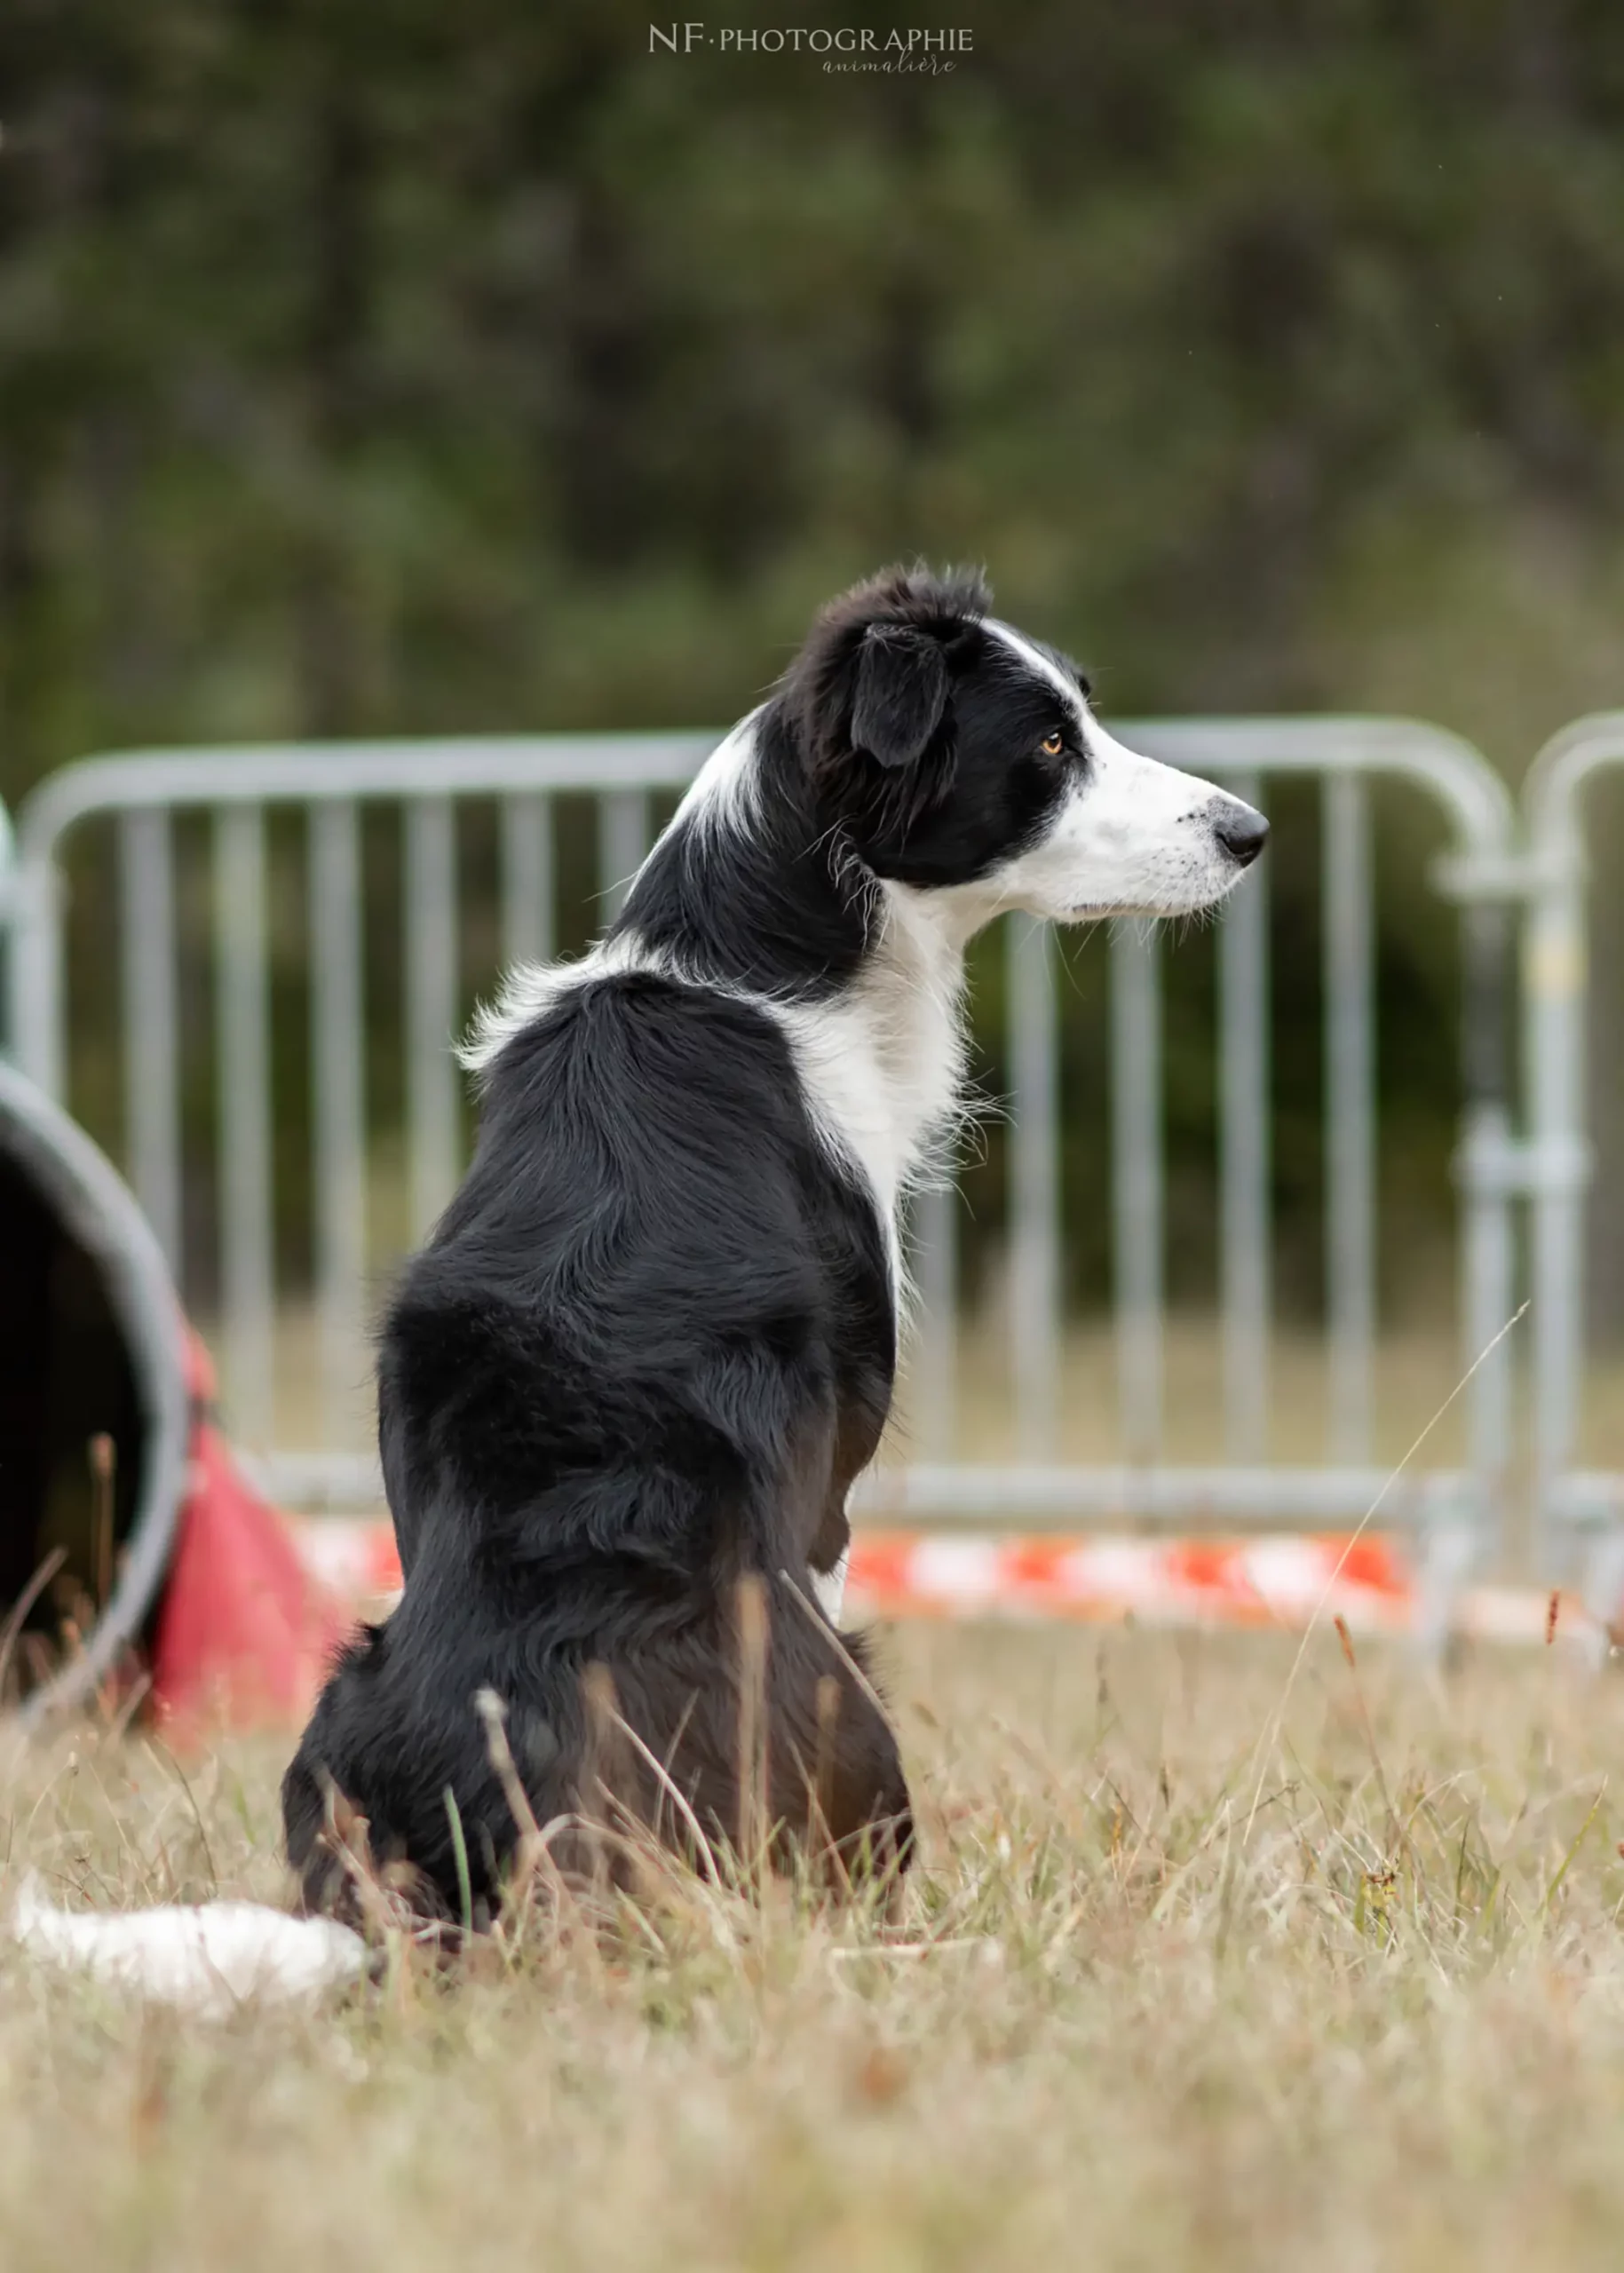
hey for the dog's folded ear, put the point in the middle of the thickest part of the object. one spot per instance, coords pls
(871, 692)
(901, 693)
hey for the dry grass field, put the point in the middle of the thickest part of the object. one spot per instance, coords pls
(1203, 1966)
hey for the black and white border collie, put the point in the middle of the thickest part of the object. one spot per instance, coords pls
(651, 1343)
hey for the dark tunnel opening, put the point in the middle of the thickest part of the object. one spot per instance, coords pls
(94, 1415)
(67, 1389)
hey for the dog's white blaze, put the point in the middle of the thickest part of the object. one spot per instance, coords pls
(1045, 666)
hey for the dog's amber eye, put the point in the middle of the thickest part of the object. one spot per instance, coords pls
(1053, 744)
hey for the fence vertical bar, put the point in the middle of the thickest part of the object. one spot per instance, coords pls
(1554, 990)
(1350, 1114)
(1243, 1021)
(527, 917)
(623, 846)
(1137, 1183)
(1034, 1256)
(34, 975)
(1486, 1248)
(935, 1350)
(432, 1100)
(13, 925)
(338, 1073)
(151, 1023)
(243, 1117)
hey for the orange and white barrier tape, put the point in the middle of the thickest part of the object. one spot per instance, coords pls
(1281, 1579)
(1275, 1580)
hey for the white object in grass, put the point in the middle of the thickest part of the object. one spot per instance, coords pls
(206, 1961)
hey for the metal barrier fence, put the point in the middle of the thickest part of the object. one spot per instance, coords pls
(144, 796)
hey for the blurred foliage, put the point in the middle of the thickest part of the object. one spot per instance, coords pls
(395, 368)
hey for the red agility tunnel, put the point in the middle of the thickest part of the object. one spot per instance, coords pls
(131, 1547)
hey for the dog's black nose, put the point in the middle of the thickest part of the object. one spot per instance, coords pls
(1243, 833)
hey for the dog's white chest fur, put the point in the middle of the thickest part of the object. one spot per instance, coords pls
(881, 1062)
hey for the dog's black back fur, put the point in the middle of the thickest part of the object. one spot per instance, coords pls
(644, 1355)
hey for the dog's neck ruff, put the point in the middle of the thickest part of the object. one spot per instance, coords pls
(871, 1016)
